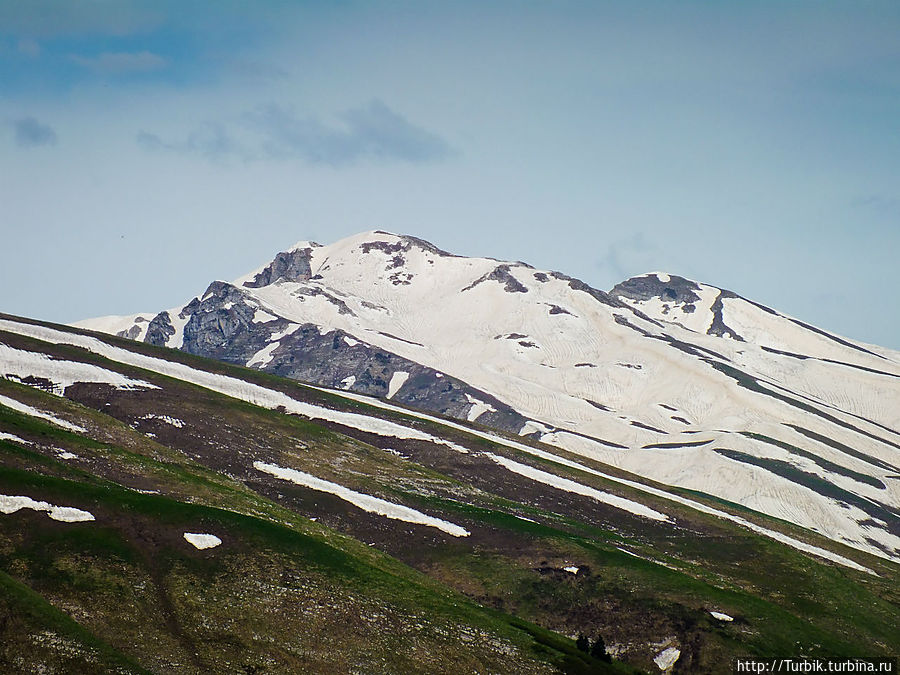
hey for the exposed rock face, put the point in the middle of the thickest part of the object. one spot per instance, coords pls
(221, 325)
(502, 275)
(287, 266)
(676, 290)
(160, 330)
(226, 324)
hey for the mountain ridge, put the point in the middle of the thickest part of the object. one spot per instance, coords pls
(791, 416)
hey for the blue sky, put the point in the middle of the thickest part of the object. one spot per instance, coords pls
(147, 148)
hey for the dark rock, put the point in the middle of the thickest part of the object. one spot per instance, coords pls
(502, 275)
(159, 330)
(287, 266)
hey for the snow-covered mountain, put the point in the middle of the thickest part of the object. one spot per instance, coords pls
(681, 382)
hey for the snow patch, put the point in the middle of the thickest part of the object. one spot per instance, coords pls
(289, 330)
(363, 501)
(721, 616)
(348, 381)
(264, 355)
(65, 454)
(202, 541)
(478, 408)
(577, 488)
(174, 421)
(66, 514)
(11, 437)
(20, 363)
(398, 379)
(531, 427)
(350, 341)
(34, 412)
(571, 570)
(667, 658)
(262, 316)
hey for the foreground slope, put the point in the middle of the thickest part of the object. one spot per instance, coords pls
(680, 382)
(351, 534)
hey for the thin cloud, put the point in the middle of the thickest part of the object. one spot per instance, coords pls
(369, 133)
(209, 140)
(30, 133)
(114, 63)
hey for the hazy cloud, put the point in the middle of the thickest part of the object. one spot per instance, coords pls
(113, 63)
(209, 140)
(372, 132)
(31, 133)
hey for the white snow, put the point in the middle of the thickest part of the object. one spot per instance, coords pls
(202, 541)
(264, 355)
(11, 437)
(577, 488)
(667, 658)
(663, 277)
(350, 341)
(531, 427)
(65, 454)
(66, 514)
(290, 329)
(363, 501)
(398, 379)
(571, 570)
(478, 408)
(174, 421)
(34, 412)
(721, 616)
(262, 316)
(348, 381)
(20, 363)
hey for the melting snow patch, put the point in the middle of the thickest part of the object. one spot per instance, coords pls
(667, 658)
(262, 316)
(21, 363)
(721, 617)
(478, 408)
(202, 541)
(11, 437)
(65, 454)
(577, 488)
(571, 570)
(66, 514)
(398, 379)
(174, 421)
(531, 427)
(34, 412)
(290, 330)
(264, 355)
(363, 501)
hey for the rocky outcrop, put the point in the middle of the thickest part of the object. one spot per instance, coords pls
(287, 266)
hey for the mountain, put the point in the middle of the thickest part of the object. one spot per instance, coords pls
(165, 512)
(686, 384)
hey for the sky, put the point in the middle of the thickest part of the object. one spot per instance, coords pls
(148, 148)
